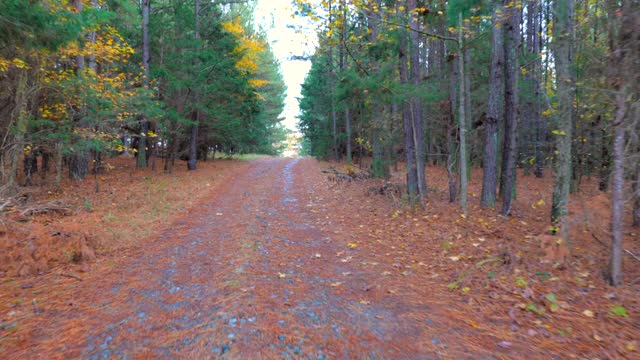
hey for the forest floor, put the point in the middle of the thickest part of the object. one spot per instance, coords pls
(273, 258)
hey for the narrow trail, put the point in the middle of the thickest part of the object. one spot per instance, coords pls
(245, 275)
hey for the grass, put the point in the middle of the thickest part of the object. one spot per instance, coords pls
(240, 157)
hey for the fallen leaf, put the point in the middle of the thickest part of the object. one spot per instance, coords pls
(619, 310)
(365, 302)
(588, 313)
(336, 284)
(317, 256)
(597, 338)
(454, 258)
(352, 245)
(281, 275)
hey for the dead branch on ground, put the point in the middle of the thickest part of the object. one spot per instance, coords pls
(57, 207)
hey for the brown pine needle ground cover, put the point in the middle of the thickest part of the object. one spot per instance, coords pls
(507, 292)
(277, 259)
(131, 205)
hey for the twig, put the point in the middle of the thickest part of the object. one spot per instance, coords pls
(625, 250)
(598, 240)
(71, 276)
(632, 254)
(35, 306)
(5, 204)
(51, 207)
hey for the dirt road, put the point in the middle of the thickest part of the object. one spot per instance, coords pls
(247, 274)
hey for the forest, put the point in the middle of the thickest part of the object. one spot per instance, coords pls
(463, 183)
(85, 80)
(548, 87)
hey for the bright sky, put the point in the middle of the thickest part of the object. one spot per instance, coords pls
(275, 17)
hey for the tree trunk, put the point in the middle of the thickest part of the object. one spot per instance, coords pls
(468, 109)
(617, 188)
(334, 127)
(605, 160)
(193, 147)
(625, 59)
(193, 140)
(46, 157)
(20, 114)
(462, 122)
(636, 197)
(30, 166)
(347, 125)
(343, 66)
(452, 149)
(59, 163)
(380, 162)
(141, 153)
(510, 108)
(79, 160)
(79, 165)
(416, 105)
(141, 159)
(563, 62)
(409, 145)
(332, 86)
(537, 76)
(490, 162)
(92, 39)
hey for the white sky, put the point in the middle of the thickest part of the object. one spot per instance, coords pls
(274, 16)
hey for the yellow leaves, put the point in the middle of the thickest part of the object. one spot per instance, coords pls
(5, 64)
(20, 64)
(234, 28)
(250, 48)
(538, 204)
(352, 245)
(516, 4)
